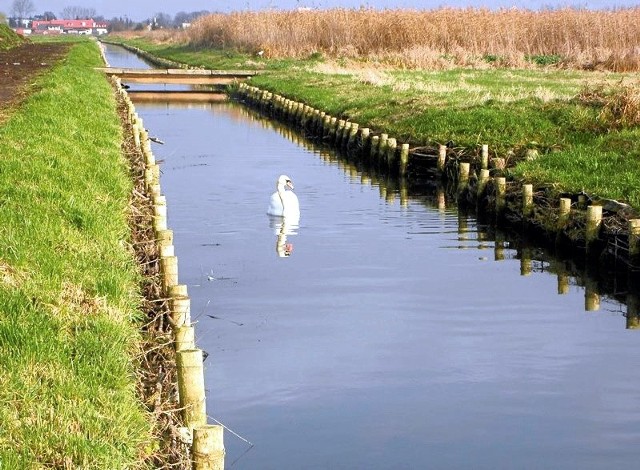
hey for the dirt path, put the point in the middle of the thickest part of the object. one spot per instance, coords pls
(20, 65)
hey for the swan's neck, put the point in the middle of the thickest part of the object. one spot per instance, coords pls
(281, 190)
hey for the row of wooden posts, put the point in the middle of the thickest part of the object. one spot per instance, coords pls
(207, 447)
(387, 154)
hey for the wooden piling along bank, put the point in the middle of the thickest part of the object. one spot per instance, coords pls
(603, 229)
(204, 440)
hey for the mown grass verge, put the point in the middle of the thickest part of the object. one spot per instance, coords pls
(579, 146)
(69, 331)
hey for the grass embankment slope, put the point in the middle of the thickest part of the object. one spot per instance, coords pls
(8, 38)
(68, 283)
(560, 82)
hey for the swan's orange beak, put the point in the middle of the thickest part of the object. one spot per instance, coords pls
(289, 184)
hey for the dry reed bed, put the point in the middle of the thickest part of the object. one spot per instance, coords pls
(434, 38)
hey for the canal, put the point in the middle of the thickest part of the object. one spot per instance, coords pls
(386, 330)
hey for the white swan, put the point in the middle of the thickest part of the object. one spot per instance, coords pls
(284, 203)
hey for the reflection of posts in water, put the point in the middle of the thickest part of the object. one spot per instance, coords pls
(404, 193)
(442, 200)
(591, 296)
(633, 312)
(525, 262)
(463, 227)
(390, 195)
(482, 238)
(382, 188)
(563, 284)
(498, 253)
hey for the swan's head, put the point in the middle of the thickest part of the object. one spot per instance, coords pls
(284, 182)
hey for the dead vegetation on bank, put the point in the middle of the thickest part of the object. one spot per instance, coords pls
(434, 39)
(157, 380)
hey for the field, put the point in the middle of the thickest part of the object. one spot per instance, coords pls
(565, 89)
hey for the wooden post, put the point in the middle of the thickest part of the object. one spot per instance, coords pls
(564, 211)
(326, 125)
(333, 128)
(527, 200)
(319, 123)
(633, 312)
(382, 148)
(180, 310)
(365, 141)
(594, 220)
(483, 179)
(525, 262)
(404, 159)
(353, 132)
(634, 242)
(392, 145)
(167, 250)
(375, 143)
(179, 290)
(484, 158)
(501, 191)
(563, 284)
(208, 447)
(185, 338)
(463, 177)
(442, 158)
(339, 131)
(169, 269)
(191, 387)
(591, 296)
(164, 237)
(498, 249)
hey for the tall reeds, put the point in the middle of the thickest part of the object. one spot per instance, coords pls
(604, 39)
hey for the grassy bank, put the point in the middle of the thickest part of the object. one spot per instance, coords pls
(68, 282)
(584, 125)
(8, 38)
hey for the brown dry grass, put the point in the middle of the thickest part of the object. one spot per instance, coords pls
(433, 39)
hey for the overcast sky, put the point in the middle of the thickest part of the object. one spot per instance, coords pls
(142, 9)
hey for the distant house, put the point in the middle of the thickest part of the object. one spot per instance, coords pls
(86, 26)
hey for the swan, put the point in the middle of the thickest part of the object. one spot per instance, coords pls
(284, 203)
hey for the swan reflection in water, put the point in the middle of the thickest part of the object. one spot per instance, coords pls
(282, 227)
(284, 214)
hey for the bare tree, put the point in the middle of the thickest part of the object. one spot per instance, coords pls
(22, 8)
(77, 13)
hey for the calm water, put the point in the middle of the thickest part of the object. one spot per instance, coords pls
(390, 338)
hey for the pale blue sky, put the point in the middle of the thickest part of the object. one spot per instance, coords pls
(142, 9)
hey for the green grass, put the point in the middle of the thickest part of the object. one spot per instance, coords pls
(68, 284)
(510, 110)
